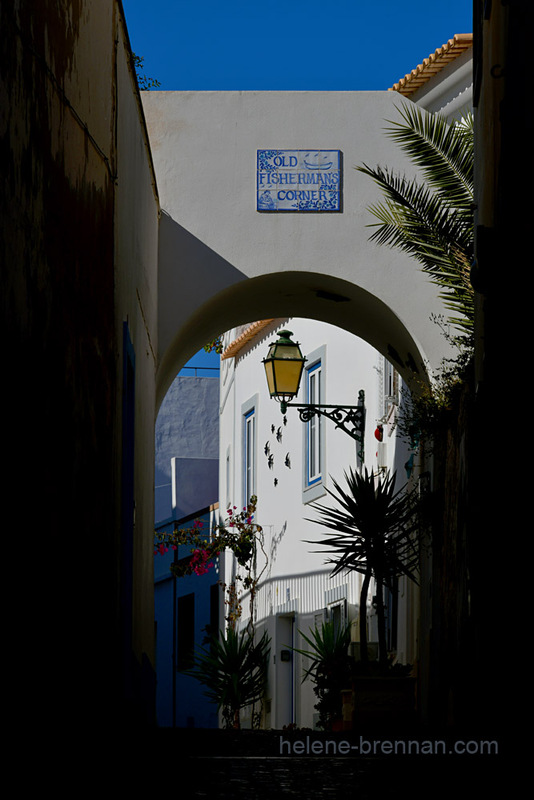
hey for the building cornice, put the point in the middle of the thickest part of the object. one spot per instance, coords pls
(435, 62)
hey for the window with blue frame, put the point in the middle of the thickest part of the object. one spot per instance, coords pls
(249, 454)
(314, 444)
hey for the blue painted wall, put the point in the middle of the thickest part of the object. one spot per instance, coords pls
(191, 707)
(187, 433)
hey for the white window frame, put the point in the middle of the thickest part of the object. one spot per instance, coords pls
(314, 450)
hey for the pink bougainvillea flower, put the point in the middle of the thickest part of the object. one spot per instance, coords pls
(200, 562)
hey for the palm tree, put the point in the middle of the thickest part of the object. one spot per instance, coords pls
(376, 534)
(330, 668)
(234, 671)
(432, 220)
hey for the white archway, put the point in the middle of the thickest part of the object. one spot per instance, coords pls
(223, 260)
(294, 294)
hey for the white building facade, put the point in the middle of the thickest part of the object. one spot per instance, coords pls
(281, 236)
(290, 465)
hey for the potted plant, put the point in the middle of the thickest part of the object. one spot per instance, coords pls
(233, 668)
(373, 530)
(330, 670)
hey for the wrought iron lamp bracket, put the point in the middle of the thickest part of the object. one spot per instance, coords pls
(350, 419)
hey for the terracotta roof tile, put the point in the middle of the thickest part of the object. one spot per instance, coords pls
(248, 334)
(433, 64)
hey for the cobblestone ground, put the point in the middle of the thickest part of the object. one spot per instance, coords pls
(254, 777)
(228, 766)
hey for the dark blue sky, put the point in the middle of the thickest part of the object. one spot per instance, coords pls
(289, 44)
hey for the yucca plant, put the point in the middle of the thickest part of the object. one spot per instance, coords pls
(330, 668)
(375, 531)
(432, 219)
(234, 671)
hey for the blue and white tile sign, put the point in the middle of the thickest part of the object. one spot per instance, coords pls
(298, 180)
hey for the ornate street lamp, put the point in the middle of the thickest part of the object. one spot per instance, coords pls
(283, 367)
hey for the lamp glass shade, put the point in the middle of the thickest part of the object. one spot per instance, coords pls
(283, 367)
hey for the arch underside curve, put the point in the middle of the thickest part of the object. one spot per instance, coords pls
(296, 294)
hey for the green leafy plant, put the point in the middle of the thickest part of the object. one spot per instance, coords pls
(426, 410)
(330, 668)
(234, 671)
(376, 533)
(215, 345)
(432, 219)
(425, 415)
(238, 533)
(144, 82)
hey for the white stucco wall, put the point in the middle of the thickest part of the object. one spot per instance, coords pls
(224, 263)
(297, 580)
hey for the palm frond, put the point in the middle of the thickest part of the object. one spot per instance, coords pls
(375, 528)
(412, 216)
(443, 151)
(432, 221)
(233, 669)
(327, 646)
